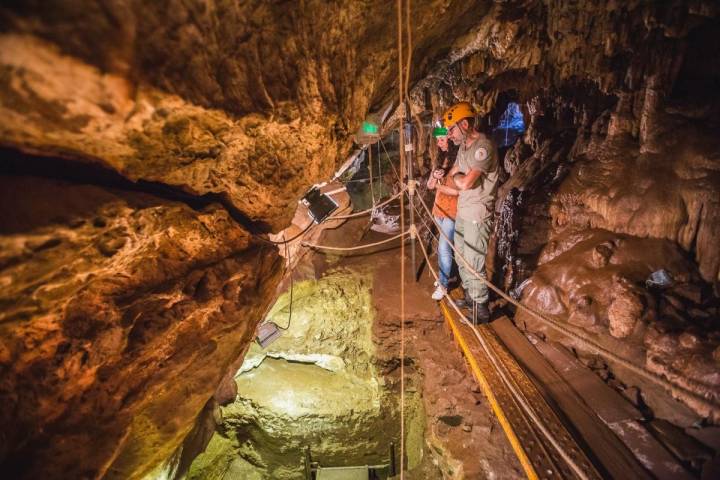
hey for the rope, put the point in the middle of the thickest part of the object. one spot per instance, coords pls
(372, 189)
(332, 217)
(356, 247)
(379, 165)
(284, 242)
(678, 390)
(505, 377)
(365, 212)
(408, 62)
(287, 256)
(397, 176)
(402, 249)
(362, 180)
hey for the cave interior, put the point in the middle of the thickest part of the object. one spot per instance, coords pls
(152, 160)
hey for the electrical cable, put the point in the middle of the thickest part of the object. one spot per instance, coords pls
(397, 176)
(287, 257)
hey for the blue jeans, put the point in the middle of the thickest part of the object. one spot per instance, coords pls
(445, 253)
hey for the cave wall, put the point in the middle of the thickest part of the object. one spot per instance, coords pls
(117, 304)
(617, 176)
(121, 312)
(124, 308)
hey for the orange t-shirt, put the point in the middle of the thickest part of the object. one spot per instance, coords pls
(445, 205)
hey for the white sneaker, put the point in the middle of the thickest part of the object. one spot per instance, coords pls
(439, 293)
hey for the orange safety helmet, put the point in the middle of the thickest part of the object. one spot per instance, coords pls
(457, 112)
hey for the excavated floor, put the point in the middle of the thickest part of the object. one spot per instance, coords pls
(332, 382)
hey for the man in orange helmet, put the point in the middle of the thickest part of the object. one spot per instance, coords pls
(475, 175)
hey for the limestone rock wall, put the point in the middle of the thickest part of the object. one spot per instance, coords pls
(253, 101)
(122, 311)
(109, 295)
(108, 298)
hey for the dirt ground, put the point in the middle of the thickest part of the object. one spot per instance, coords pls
(462, 437)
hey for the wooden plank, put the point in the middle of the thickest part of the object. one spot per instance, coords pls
(523, 433)
(614, 411)
(650, 452)
(617, 413)
(606, 402)
(610, 455)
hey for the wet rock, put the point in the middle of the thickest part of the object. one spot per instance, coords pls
(689, 340)
(601, 254)
(671, 345)
(689, 291)
(581, 311)
(625, 310)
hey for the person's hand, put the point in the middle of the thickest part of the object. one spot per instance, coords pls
(439, 173)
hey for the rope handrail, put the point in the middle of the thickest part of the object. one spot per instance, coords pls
(366, 211)
(679, 390)
(504, 374)
(397, 176)
(356, 247)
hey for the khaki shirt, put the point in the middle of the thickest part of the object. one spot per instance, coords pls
(477, 203)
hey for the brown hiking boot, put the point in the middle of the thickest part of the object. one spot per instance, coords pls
(480, 313)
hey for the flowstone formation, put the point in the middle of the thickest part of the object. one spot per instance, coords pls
(601, 282)
(317, 386)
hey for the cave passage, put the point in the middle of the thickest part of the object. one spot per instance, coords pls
(154, 157)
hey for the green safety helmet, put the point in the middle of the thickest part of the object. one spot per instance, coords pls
(440, 132)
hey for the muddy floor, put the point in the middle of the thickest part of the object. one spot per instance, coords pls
(462, 437)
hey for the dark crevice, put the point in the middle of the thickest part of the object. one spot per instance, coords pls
(16, 163)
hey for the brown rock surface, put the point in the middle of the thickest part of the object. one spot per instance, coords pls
(611, 300)
(674, 195)
(108, 296)
(121, 312)
(57, 105)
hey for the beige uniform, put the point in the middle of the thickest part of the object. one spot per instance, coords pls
(475, 213)
(477, 203)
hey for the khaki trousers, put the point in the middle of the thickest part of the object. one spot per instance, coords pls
(471, 241)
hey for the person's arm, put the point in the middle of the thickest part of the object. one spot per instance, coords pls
(466, 181)
(479, 163)
(448, 190)
(435, 176)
